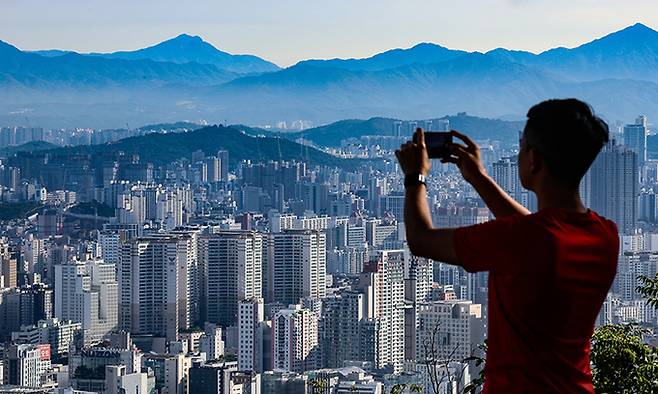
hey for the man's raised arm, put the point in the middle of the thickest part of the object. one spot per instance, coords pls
(422, 238)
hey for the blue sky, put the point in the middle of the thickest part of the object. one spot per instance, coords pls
(286, 31)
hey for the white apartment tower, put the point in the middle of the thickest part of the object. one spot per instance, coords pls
(251, 324)
(295, 339)
(383, 284)
(448, 330)
(87, 292)
(156, 274)
(296, 266)
(24, 364)
(231, 266)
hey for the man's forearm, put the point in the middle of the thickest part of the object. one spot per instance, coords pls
(499, 202)
(422, 238)
(417, 218)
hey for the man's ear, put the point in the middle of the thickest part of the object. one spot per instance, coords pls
(535, 160)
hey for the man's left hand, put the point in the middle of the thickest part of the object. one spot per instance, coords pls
(413, 157)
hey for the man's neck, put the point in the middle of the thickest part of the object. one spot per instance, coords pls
(552, 196)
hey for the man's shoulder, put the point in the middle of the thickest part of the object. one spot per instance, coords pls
(605, 221)
(561, 221)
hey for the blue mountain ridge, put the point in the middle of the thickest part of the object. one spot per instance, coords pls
(187, 49)
(617, 74)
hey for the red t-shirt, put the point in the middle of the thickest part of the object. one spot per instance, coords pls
(549, 275)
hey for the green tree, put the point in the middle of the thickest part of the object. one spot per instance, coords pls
(649, 289)
(477, 383)
(623, 364)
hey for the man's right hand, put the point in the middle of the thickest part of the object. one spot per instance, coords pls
(467, 158)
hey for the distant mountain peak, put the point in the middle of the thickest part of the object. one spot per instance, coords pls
(186, 48)
(427, 45)
(639, 27)
(635, 31)
(185, 36)
(186, 39)
(630, 36)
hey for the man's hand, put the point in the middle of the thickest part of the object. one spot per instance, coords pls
(467, 158)
(413, 157)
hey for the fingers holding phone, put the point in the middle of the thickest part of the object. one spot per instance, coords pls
(466, 157)
(413, 155)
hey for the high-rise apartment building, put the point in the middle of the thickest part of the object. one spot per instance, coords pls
(383, 284)
(156, 279)
(231, 265)
(341, 330)
(251, 327)
(211, 342)
(24, 364)
(635, 138)
(295, 339)
(8, 266)
(614, 186)
(171, 372)
(87, 292)
(296, 265)
(506, 175)
(448, 329)
(418, 279)
(630, 267)
(25, 305)
(213, 168)
(222, 155)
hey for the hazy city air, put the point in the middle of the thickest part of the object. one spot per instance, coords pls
(179, 219)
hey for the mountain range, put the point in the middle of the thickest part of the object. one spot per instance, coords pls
(187, 78)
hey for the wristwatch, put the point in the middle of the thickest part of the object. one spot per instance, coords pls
(414, 179)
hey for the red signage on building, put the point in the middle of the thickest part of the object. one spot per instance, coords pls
(44, 351)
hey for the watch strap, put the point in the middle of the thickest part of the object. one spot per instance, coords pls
(414, 179)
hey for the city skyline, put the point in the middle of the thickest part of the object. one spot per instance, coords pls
(181, 215)
(294, 30)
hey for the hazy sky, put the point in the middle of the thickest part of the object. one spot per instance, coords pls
(286, 31)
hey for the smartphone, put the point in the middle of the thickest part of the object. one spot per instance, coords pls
(437, 143)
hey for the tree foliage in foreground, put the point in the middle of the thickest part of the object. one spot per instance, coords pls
(623, 364)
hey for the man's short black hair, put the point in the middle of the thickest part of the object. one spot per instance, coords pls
(568, 137)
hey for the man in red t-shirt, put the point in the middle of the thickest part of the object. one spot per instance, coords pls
(549, 271)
